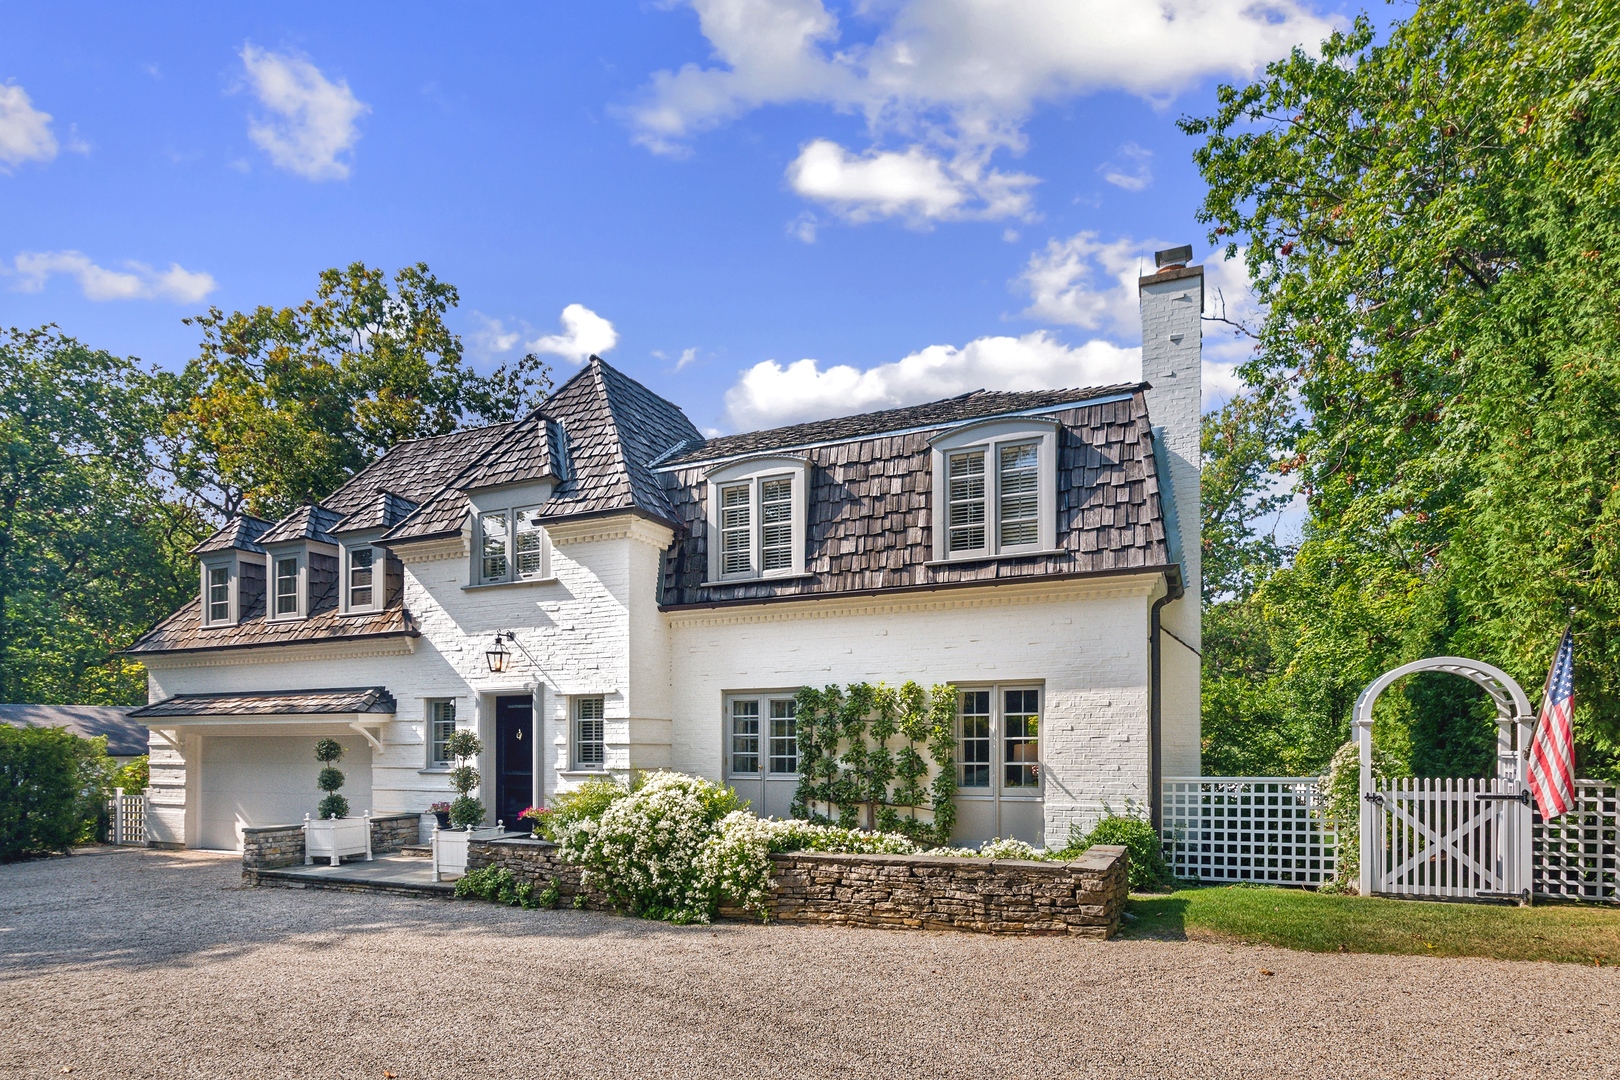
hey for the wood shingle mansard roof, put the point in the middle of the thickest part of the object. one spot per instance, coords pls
(609, 445)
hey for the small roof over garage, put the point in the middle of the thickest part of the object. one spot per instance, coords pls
(346, 701)
(125, 737)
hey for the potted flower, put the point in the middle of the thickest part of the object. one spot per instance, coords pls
(538, 818)
(441, 810)
(335, 834)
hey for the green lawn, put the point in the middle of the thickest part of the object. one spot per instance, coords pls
(1296, 919)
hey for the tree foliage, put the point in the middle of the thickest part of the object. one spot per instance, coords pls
(1432, 225)
(285, 404)
(91, 551)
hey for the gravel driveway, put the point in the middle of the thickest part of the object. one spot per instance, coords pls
(138, 963)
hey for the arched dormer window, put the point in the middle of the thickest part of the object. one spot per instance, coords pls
(757, 513)
(995, 489)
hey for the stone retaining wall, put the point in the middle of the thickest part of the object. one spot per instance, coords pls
(1083, 897)
(271, 847)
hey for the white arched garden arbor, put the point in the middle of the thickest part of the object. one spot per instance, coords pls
(1435, 836)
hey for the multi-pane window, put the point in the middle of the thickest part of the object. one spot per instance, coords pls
(1020, 718)
(776, 523)
(784, 736)
(360, 578)
(998, 741)
(286, 585)
(974, 735)
(219, 594)
(736, 530)
(590, 745)
(966, 509)
(745, 736)
(442, 725)
(528, 544)
(995, 488)
(492, 554)
(1018, 489)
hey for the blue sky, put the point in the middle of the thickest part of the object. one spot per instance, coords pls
(767, 210)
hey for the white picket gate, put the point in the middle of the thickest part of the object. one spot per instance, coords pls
(127, 819)
(1449, 838)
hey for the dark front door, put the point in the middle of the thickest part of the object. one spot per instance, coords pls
(514, 759)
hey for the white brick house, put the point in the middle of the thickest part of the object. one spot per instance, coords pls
(661, 595)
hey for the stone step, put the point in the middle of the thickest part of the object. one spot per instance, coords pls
(420, 851)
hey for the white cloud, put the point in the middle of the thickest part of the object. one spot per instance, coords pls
(686, 357)
(491, 337)
(1086, 282)
(585, 333)
(25, 132)
(136, 281)
(959, 77)
(1135, 174)
(312, 119)
(770, 393)
(914, 184)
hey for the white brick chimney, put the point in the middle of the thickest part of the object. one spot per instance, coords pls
(1172, 362)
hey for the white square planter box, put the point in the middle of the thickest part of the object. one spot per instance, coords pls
(450, 849)
(334, 838)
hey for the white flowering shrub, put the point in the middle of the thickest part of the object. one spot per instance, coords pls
(645, 851)
(677, 845)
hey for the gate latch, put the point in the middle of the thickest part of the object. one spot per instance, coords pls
(1521, 797)
(1374, 797)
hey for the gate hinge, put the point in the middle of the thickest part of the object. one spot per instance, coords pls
(1521, 797)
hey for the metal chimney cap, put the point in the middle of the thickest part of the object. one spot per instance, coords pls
(1173, 257)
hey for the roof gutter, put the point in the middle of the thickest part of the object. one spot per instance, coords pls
(1173, 591)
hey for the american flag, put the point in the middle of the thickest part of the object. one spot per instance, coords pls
(1552, 754)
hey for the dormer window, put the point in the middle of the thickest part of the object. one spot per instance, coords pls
(512, 546)
(757, 518)
(219, 594)
(287, 586)
(995, 490)
(360, 579)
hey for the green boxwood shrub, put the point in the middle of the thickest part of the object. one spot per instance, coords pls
(1149, 872)
(53, 787)
(331, 779)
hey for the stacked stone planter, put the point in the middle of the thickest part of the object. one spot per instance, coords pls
(1083, 897)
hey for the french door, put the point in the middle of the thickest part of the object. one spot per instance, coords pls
(998, 770)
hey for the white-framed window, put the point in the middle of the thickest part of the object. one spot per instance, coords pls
(512, 546)
(219, 593)
(762, 737)
(998, 746)
(441, 717)
(363, 582)
(286, 588)
(590, 736)
(995, 489)
(758, 515)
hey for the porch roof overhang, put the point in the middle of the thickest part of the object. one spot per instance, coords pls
(296, 712)
(346, 704)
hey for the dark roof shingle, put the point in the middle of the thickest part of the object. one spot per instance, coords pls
(356, 699)
(311, 521)
(183, 631)
(241, 533)
(125, 737)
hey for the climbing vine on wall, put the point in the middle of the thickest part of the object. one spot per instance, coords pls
(862, 758)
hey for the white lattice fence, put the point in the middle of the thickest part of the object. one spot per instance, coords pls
(1248, 828)
(127, 819)
(1573, 857)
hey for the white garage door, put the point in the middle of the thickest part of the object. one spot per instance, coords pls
(260, 780)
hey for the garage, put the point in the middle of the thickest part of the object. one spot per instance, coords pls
(253, 780)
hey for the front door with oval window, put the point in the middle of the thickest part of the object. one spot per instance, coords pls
(514, 758)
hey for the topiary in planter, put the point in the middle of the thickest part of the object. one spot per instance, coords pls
(331, 779)
(465, 810)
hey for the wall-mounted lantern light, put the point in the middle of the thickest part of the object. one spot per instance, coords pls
(497, 656)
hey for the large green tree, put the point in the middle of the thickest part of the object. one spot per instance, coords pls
(284, 404)
(1432, 226)
(91, 552)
